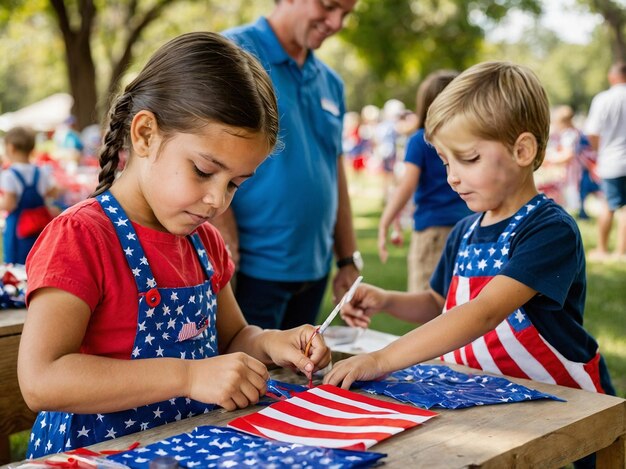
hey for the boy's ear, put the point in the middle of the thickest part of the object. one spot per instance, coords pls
(143, 131)
(525, 149)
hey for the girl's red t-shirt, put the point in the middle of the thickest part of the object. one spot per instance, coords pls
(79, 252)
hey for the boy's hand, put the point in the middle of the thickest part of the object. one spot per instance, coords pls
(367, 301)
(234, 380)
(286, 349)
(363, 367)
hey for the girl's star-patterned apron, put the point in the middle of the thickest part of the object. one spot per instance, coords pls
(515, 347)
(172, 322)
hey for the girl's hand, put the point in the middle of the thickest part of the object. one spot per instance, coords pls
(232, 381)
(286, 349)
(367, 301)
(365, 367)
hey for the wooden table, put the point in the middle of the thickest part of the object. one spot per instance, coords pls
(14, 415)
(540, 434)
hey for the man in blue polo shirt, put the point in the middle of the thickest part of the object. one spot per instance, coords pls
(285, 223)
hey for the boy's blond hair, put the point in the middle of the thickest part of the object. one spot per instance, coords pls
(499, 100)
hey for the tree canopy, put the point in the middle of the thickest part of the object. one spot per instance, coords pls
(90, 47)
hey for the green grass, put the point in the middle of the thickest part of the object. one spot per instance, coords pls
(605, 313)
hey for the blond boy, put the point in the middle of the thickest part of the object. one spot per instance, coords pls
(508, 293)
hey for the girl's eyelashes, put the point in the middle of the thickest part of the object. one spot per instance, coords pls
(232, 185)
(201, 173)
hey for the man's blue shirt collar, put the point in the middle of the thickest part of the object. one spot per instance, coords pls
(276, 53)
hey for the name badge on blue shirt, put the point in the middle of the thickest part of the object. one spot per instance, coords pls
(329, 106)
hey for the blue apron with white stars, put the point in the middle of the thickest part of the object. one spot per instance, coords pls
(515, 347)
(172, 322)
(16, 249)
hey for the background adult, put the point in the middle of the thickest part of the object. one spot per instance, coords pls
(437, 206)
(569, 149)
(285, 224)
(606, 130)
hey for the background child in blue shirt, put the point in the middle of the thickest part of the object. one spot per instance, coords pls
(437, 206)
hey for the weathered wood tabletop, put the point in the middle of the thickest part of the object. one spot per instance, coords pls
(541, 433)
(14, 415)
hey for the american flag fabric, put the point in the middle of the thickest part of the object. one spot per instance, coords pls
(515, 347)
(191, 329)
(220, 447)
(439, 386)
(332, 417)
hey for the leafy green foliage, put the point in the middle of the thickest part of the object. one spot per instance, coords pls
(398, 43)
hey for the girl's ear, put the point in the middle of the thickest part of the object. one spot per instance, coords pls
(143, 132)
(525, 149)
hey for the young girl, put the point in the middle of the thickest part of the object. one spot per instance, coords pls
(437, 206)
(23, 186)
(131, 321)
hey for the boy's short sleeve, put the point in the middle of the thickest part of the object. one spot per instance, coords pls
(547, 256)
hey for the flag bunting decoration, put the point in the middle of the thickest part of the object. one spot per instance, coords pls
(220, 447)
(331, 417)
(431, 386)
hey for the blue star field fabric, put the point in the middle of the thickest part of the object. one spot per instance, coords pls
(177, 322)
(280, 390)
(430, 386)
(219, 447)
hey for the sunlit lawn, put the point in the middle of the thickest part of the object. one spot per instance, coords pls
(605, 313)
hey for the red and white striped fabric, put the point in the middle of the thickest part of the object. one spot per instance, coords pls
(516, 348)
(332, 417)
(190, 329)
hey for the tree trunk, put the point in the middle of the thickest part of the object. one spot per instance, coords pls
(618, 47)
(82, 78)
(614, 17)
(80, 67)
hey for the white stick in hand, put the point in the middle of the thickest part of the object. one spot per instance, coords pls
(345, 299)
